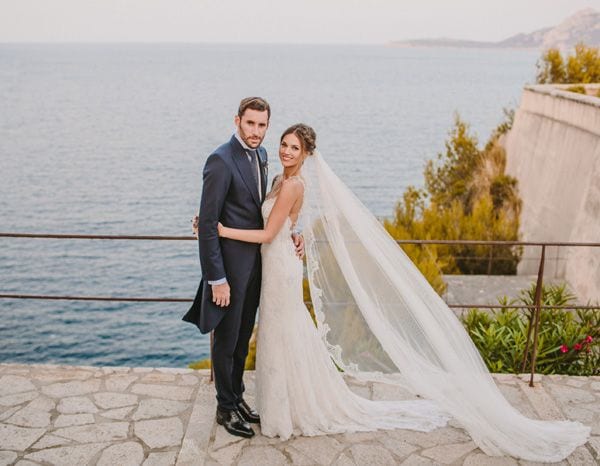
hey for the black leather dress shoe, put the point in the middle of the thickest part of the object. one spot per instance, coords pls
(234, 423)
(248, 413)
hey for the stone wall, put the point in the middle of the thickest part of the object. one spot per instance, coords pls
(553, 150)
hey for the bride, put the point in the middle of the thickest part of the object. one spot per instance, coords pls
(377, 318)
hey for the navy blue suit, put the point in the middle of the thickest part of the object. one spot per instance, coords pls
(230, 196)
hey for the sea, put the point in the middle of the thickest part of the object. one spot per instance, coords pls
(111, 139)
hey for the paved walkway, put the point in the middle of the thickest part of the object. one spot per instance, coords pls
(79, 415)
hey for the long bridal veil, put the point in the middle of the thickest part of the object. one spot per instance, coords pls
(379, 316)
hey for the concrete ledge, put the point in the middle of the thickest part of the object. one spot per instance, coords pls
(560, 91)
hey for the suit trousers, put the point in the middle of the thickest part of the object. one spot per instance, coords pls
(231, 338)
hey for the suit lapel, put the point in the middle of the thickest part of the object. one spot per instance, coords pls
(241, 161)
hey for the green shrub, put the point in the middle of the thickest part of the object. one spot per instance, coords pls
(467, 196)
(201, 364)
(583, 66)
(551, 68)
(250, 359)
(568, 341)
(577, 89)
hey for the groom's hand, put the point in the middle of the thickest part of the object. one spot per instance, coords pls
(195, 222)
(299, 244)
(221, 294)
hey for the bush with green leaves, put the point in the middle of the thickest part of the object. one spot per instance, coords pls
(577, 89)
(581, 67)
(568, 341)
(467, 196)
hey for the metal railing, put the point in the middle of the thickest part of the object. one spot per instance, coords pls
(531, 347)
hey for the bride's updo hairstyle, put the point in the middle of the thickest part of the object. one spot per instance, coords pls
(307, 136)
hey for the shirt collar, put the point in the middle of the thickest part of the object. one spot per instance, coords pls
(241, 141)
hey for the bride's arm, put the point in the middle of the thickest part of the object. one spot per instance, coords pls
(291, 191)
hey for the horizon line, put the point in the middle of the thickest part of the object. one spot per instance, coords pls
(184, 42)
(397, 43)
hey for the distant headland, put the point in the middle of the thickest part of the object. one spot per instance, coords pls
(583, 26)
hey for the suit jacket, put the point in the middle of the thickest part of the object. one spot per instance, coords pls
(230, 196)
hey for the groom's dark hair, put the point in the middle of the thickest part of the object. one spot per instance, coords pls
(254, 103)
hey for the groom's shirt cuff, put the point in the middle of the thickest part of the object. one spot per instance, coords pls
(297, 230)
(217, 282)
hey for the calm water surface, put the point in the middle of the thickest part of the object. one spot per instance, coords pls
(111, 139)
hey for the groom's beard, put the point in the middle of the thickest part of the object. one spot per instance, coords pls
(250, 142)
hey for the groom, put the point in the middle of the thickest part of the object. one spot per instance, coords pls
(234, 187)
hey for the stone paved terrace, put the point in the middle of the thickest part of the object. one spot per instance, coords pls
(79, 415)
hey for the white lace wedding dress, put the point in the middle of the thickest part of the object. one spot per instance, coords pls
(299, 390)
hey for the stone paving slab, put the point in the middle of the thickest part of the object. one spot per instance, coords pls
(83, 415)
(79, 415)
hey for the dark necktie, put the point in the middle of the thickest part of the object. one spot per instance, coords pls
(254, 165)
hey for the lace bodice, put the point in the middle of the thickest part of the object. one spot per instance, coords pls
(267, 207)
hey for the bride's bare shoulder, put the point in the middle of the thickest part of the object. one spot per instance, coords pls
(293, 186)
(294, 182)
(292, 189)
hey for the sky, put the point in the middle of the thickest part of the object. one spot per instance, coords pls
(276, 21)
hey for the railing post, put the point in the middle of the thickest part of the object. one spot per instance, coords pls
(527, 340)
(538, 312)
